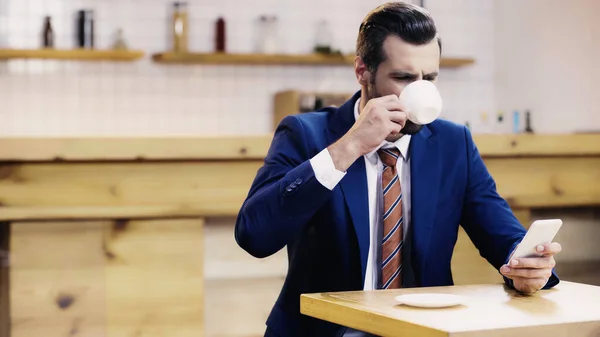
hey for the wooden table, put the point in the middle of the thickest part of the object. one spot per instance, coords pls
(490, 310)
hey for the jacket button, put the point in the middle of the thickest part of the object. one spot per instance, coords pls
(289, 189)
(298, 181)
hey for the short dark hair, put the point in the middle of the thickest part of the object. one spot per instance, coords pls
(409, 22)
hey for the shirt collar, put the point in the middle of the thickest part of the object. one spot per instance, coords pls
(401, 144)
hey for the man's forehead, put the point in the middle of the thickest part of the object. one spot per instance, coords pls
(404, 56)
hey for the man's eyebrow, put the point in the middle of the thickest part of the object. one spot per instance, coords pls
(402, 73)
(408, 74)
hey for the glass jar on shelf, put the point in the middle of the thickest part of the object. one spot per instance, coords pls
(324, 38)
(267, 35)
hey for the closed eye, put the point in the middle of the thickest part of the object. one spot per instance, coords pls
(404, 78)
(430, 77)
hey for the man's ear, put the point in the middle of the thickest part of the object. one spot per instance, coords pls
(361, 72)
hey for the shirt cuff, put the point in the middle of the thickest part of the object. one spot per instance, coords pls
(325, 170)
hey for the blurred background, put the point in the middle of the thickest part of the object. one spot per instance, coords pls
(528, 55)
(231, 69)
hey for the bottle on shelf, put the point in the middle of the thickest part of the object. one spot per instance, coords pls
(528, 127)
(516, 122)
(220, 35)
(500, 126)
(48, 33)
(180, 27)
(85, 29)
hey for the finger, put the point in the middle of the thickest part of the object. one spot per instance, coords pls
(399, 117)
(533, 262)
(395, 128)
(393, 105)
(549, 248)
(525, 272)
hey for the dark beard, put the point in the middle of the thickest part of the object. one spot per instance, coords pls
(409, 128)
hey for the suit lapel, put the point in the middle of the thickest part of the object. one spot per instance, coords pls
(354, 184)
(426, 172)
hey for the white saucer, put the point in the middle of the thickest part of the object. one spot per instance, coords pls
(430, 300)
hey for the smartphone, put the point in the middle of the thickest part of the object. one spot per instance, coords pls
(540, 232)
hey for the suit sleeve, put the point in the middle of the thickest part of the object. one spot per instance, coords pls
(284, 196)
(487, 218)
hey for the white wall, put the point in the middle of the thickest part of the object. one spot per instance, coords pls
(547, 54)
(531, 54)
(71, 98)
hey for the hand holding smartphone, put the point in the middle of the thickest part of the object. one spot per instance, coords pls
(530, 269)
(540, 232)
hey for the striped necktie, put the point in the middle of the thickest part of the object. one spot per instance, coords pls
(391, 244)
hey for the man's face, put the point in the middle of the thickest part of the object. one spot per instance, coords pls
(404, 63)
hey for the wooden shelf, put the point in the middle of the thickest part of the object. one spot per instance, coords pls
(66, 149)
(276, 59)
(71, 54)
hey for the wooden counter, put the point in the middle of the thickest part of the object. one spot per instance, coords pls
(64, 203)
(118, 276)
(531, 171)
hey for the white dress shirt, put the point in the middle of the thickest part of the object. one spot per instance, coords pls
(329, 176)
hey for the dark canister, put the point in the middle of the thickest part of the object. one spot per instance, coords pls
(85, 29)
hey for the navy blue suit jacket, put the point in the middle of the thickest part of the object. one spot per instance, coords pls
(327, 232)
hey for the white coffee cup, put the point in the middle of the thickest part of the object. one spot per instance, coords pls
(422, 102)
